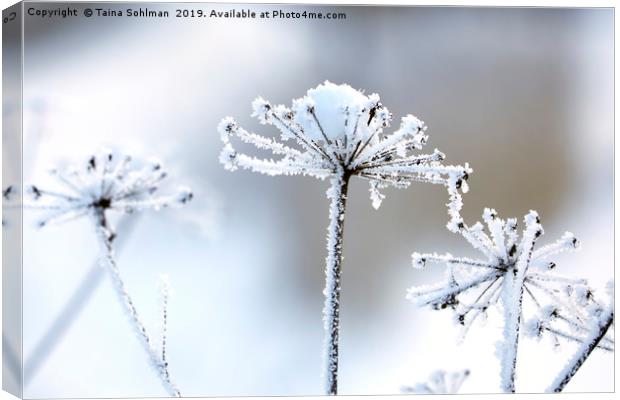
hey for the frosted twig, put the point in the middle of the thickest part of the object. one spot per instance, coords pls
(597, 332)
(165, 293)
(158, 362)
(339, 134)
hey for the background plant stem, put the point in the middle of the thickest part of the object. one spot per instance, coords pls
(599, 329)
(160, 365)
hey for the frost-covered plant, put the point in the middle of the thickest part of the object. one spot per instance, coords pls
(440, 382)
(570, 318)
(338, 132)
(512, 271)
(579, 318)
(105, 184)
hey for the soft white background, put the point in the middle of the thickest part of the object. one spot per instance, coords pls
(527, 100)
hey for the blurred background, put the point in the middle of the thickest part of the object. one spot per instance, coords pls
(524, 95)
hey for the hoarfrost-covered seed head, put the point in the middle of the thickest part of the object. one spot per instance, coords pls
(228, 156)
(261, 109)
(106, 182)
(418, 260)
(226, 127)
(339, 130)
(473, 285)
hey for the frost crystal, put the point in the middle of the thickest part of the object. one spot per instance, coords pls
(510, 268)
(440, 382)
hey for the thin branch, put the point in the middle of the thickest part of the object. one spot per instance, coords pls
(110, 262)
(599, 329)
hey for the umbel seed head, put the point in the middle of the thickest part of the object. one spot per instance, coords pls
(337, 130)
(105, 182)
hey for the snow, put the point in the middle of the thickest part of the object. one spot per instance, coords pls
(329, 103)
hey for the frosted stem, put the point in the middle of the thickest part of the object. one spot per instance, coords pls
(331, 311)
(512, 319)
(513, 303)
(160, 365)
(598, 331)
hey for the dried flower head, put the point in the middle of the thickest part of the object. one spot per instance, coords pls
(339, 130)
(512, 271)
(105, 182)
(472, 286)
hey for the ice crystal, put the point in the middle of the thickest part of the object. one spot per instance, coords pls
(510, 271)
(105, 182)
(338, 132)
(440, 382)
(339, 129)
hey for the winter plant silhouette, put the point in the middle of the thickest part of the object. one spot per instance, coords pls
(512, 272)
(339, 132)
(105, 184)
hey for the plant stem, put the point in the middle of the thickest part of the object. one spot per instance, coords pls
(331, 310)
(512, 321)
(108, 258)
(598, 331)
(513, 306)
